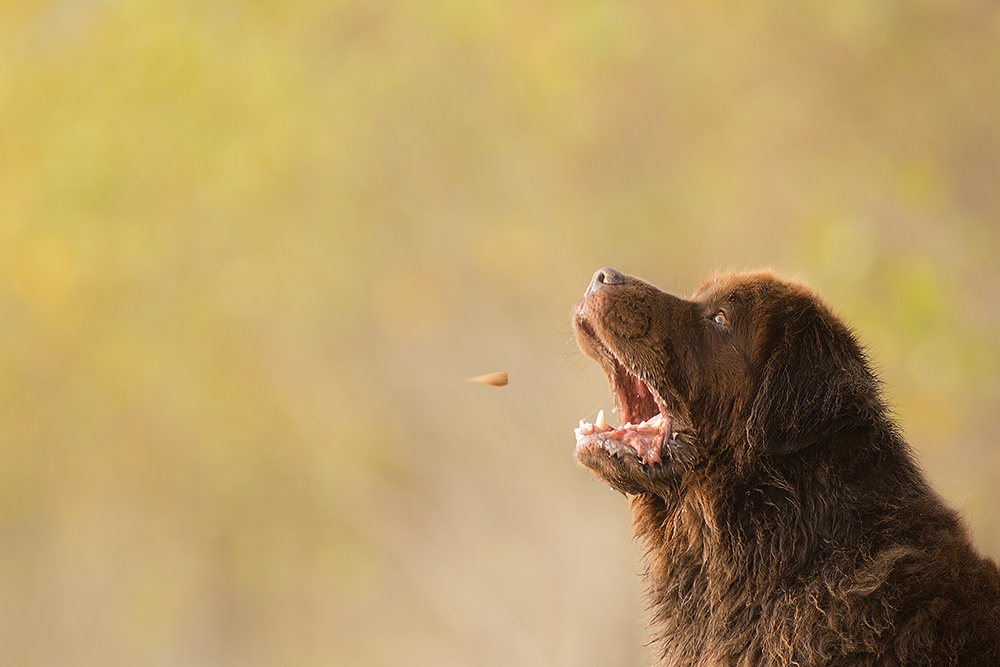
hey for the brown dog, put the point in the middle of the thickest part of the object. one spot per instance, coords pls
(785, 520)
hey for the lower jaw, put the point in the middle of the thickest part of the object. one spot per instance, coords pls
(644, 441)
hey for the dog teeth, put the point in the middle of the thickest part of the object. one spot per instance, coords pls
(600, 423)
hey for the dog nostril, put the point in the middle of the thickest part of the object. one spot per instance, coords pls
(605, 276)
(609, 276)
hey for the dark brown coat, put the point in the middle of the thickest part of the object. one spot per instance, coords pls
(784, 518)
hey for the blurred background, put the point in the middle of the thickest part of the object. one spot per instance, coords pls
(250, 250)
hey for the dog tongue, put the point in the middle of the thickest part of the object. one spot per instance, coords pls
(646, 439)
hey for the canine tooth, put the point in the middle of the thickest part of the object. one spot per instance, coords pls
(600, 423)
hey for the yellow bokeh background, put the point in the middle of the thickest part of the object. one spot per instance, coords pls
(250, 250)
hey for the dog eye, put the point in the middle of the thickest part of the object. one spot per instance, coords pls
(720, 319)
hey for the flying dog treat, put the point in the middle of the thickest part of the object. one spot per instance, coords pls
(498, 379)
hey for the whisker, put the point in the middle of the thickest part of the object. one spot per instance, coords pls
(593, 413)
(573, 366)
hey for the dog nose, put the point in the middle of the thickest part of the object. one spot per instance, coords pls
(605, 276)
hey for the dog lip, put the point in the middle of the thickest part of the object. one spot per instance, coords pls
(649, 429)
(582, 323)
(646, 423)
(645, 441)
(636, 399)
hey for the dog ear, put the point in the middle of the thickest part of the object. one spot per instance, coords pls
(815, 383)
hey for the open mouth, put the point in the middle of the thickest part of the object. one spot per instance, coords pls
(645, 421)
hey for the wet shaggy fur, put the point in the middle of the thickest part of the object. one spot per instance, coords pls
(787, 523)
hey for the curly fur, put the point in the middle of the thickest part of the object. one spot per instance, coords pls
(788, 523)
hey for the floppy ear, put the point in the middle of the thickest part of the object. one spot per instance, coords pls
(815, 383)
